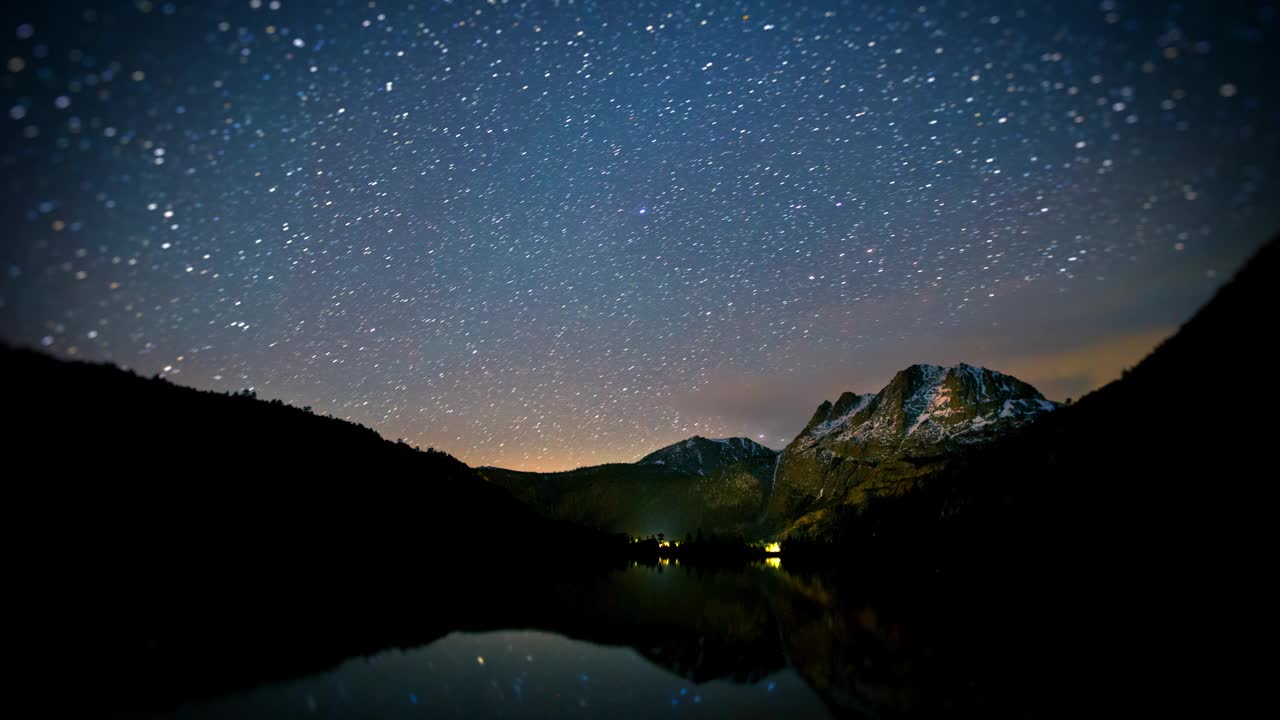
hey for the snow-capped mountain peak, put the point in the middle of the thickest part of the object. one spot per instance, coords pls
(887, 442)
(699, 455)
(928, 403)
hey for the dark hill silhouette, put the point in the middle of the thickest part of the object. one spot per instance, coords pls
(125, 474)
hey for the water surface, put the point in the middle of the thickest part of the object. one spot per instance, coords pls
(756, 641)
(514, 674)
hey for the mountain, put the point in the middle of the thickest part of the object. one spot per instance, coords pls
(1160, 476)
(886, 443)
(699, 455)
(924, 405)
(695, 484)
(875, 444)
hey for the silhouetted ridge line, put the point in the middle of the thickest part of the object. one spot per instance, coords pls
(142, 472)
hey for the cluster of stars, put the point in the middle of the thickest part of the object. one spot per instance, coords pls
(534, 234)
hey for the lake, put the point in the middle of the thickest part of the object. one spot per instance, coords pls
(757, 641)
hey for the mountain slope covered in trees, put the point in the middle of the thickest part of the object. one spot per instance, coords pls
(137, 475)
(698, 483)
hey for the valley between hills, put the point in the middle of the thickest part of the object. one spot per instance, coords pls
(206, 522)
(938, 458)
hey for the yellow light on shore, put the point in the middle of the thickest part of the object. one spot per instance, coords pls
(773, 547)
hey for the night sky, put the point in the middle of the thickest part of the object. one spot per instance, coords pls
(549, 234)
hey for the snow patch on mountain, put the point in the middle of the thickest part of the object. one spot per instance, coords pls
(828, 426)
(701, 455)
(927, 404)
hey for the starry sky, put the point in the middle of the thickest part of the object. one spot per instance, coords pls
(548, 234)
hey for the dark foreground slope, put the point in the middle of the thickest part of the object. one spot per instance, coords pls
(118, 474)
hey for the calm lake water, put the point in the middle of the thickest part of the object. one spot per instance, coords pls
(515, 674)
(761, 641)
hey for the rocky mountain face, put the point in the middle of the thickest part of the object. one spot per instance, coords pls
(885, 443)
(699, 455)
(699, 483)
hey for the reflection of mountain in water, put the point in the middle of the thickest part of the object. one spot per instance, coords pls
(699, 625)
(883, 656)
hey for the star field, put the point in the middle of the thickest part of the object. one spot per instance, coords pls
(549, 234)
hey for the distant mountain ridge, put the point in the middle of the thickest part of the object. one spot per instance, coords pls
(694, 484)
(701, 455)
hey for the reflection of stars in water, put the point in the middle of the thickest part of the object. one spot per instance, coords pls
(684, 693)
